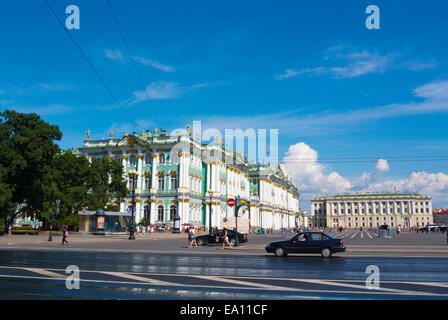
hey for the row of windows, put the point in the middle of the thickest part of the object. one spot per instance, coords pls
(348, 204)
(160, 213)
(160, 180)
(147, 160)
(377, 210)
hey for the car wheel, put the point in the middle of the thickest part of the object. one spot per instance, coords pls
(325, 252)
(232, 242)
(280, 252)
(200, 242)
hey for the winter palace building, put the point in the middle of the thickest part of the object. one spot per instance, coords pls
(180, 174)
(372, 210)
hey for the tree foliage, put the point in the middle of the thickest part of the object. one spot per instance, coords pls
(34, 172)
(27, 149)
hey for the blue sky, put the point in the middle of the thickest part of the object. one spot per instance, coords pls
(310, 69)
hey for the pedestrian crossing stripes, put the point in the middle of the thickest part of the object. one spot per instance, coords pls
(232, 283)
(354, 234)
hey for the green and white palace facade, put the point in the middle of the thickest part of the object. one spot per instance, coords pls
(181, 174)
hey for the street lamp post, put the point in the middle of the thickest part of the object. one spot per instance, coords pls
(50, 237)
(133, 177)
(210, 213)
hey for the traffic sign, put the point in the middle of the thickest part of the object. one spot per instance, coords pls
(238, 200)
(231, 202)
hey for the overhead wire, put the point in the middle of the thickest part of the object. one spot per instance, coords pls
(92, 66)
(131, 57)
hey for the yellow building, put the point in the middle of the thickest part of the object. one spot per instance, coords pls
(372, 210)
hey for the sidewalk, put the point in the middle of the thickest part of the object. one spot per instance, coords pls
(76, 238)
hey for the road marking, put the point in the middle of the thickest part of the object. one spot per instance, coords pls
(430, 284)
(362, 234)
(348, 285)
(45, 272)
(368, 292)
(354, 234)
(347, 234)
(244, 283)
(137, 278)
(369, 234)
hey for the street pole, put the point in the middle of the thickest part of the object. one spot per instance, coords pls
(131, 232)
(237, 207)
(210, 213)
(50, 238)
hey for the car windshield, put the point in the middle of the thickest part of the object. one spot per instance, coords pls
(330, 237)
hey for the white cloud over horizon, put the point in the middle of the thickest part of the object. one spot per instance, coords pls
(314, 178)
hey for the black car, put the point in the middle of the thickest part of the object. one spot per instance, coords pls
(307, 242)
(216, 238)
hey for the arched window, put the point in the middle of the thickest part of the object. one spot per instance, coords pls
(147, 182)
(160, 213)
(133, 160)
(173, 181)
(172, 212)
(146, 212)
(162, 158)
(132, 182)
(148, 159)
(161, 182)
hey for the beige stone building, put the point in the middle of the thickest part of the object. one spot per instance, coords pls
(372, 210)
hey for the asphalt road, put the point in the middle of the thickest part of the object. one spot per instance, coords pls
(36, 274)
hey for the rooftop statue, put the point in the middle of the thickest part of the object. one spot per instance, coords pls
(189, 129)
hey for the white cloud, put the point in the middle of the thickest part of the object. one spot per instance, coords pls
(367, 178)
(158, 90)
(117, 55)
(288, 74)
(382, 165)
(154, 64)
(114, 54)
(162, 90)
(314, 179)
(299, 124)
(355, 65)
(301, 163)
(433, 90)
(350, 62)
(431, 184)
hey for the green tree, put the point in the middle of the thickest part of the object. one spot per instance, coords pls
(105, 182)
(82, 185)
(27, 149)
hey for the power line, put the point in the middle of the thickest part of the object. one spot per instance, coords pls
(91, 65)
(132, 61)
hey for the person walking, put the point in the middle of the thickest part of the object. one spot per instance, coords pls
(64, 235)
(192, 237)
(225, 239)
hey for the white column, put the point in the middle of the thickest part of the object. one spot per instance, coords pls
(140, 171)
(155, 161)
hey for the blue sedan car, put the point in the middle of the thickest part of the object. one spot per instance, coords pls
(307, 242)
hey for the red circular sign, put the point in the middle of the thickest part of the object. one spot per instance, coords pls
(231, 202)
